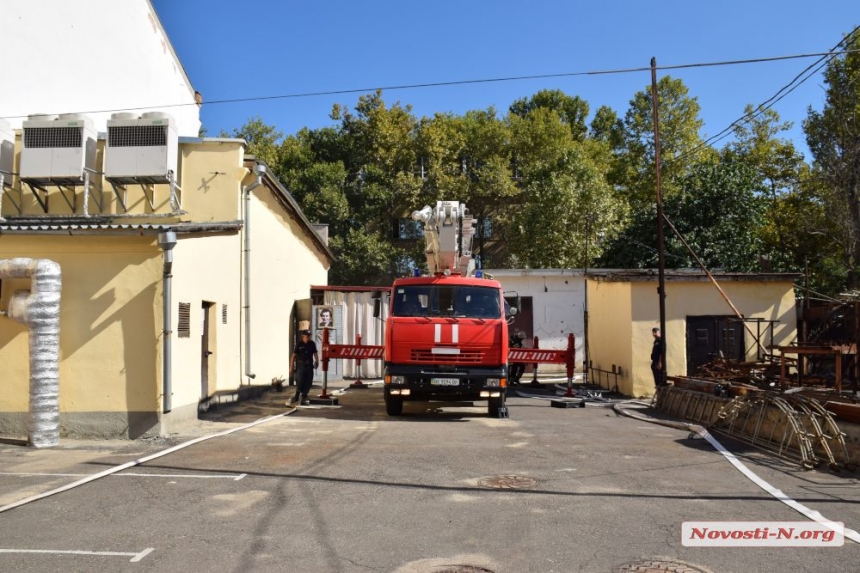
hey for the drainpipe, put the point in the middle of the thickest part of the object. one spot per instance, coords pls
(260, 170)
(166, 241)
(39, 309)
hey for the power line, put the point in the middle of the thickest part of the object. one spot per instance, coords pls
(401, 87)
(824, 60)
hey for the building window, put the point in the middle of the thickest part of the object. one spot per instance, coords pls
(407, 229)
(483, 228)
(223, 314)
(485, 261)
(183, 329)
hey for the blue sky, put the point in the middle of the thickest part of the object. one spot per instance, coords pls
(260, 48)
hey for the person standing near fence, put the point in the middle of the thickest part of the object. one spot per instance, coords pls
(303, 362)
(657, 358)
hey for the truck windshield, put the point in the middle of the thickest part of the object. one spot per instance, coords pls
(455, 300)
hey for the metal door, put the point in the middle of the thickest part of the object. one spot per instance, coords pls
(205, 353)
(709, 337)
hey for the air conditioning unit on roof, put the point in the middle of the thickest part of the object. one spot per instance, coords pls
(7, 152)
(57, 150)
(141, 149)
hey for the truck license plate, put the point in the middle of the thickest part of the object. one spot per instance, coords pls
(444, 381)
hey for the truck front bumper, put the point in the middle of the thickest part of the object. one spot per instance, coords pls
(451, 384)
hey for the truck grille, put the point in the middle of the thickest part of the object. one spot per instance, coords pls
(464, 357)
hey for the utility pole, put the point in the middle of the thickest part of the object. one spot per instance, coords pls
(661, 261)
(585, 308)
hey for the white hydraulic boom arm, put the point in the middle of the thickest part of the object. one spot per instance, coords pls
(448, 232)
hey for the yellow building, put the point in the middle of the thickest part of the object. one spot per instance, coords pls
(186, 268)
(624, 307)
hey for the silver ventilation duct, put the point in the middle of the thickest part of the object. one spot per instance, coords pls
(39, 310)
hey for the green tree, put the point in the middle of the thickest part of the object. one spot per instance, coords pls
(378, 152)
(757, 143)
(264, 140)
(719, 213)
(680, 144)
(606, 127)
(572, 110)
(566, 200)
(796, 233)
(833, 136)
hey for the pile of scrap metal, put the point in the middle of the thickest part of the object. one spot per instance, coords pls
(761, 374)
(793, 424)
(788, 401)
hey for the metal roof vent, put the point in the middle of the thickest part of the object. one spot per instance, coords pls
(57, 150)
(141, 150)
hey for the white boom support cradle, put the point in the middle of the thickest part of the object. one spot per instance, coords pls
(448, 232)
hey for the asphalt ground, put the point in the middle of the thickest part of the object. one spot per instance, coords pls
(442, 488)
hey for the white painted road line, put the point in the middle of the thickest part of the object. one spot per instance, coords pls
(138, 462)
(135, 557)
(739, 465)
(233, 477)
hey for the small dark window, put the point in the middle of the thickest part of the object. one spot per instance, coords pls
(183, 330)
(223, 314)
(407, 229)
(484, 228)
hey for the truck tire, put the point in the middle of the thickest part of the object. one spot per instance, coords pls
(393, 406)
(493, 405)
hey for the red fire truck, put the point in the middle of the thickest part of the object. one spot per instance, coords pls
(446, 335)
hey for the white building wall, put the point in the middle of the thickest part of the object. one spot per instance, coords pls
(91, 56)
(206, 268)
(558, 298)
(284, 263)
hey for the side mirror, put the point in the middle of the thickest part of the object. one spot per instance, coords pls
(377, 307)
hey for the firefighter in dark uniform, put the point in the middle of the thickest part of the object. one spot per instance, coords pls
(303, 362)
(516, 369)
(657, 358)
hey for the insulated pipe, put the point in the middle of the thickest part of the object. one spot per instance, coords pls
(39, 309)
(167, 241)
(260, 170)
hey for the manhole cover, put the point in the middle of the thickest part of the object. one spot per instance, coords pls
(508, 482)
(460, 569)
(659, 566)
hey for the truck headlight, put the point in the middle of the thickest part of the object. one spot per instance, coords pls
(494, 382)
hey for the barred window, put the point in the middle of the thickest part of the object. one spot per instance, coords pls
(483, 228)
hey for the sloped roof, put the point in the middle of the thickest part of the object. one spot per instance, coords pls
(289, 203)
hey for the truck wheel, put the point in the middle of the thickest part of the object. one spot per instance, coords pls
(393, 406)
(493, 405)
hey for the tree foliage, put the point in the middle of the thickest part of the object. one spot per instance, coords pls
(263, 140)
(566, 199)
(571, 110)
(563, 192)
(833, 136)
(681, 146)
(718, 213)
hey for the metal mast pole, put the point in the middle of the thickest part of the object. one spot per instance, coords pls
(661, 264)
(585, 309)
